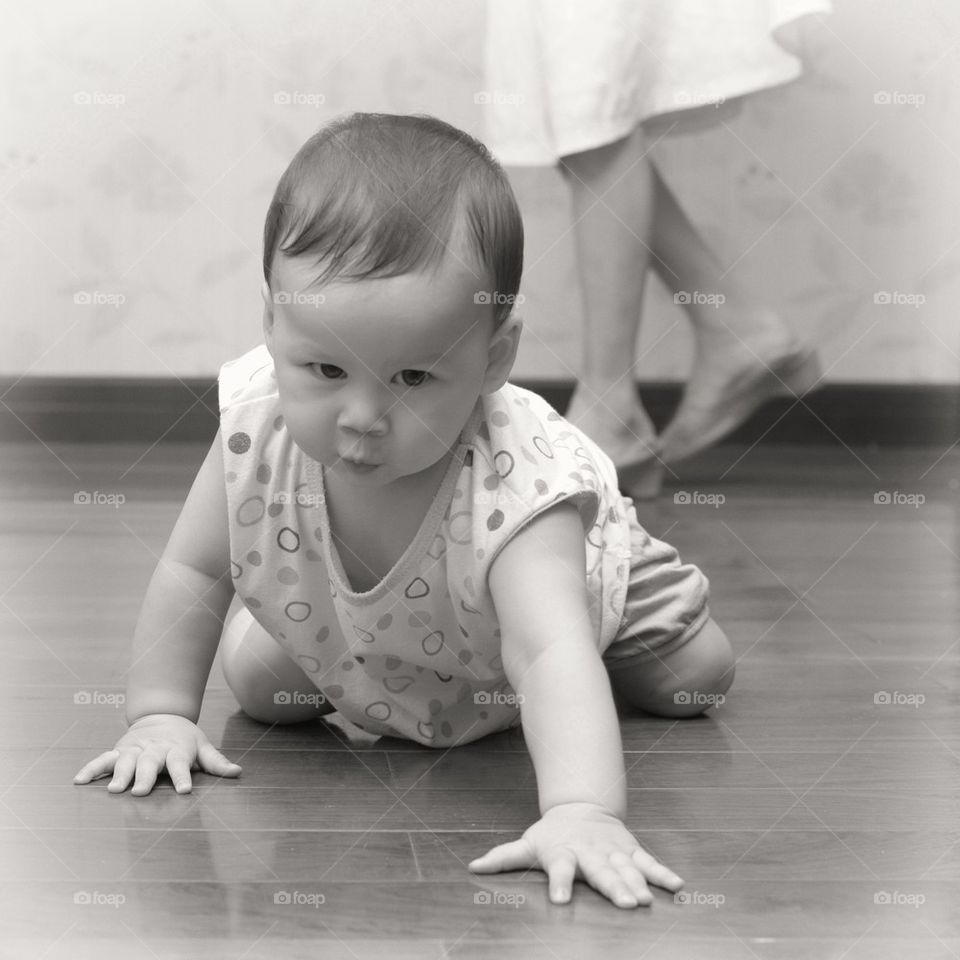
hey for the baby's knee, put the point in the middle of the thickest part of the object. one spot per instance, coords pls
(685, 682)
(268, 685)
(702, 676)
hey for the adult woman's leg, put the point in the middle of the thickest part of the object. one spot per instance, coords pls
(612, 192)
(744, 352)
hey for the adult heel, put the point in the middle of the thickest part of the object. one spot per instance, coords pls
(800, 375)
(641, 480)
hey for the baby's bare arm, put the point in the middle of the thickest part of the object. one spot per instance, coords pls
(183, 610)
(538, 583)
(174, 644)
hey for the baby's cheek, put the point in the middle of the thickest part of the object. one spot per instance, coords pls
(440, 430)
(307, 430)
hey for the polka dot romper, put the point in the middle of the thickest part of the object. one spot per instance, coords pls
(417, 656)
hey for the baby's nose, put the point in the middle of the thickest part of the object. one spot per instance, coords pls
(363, 415)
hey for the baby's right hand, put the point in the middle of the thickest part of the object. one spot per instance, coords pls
(153, 742)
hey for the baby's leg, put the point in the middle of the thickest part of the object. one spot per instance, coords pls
(268, 685)
(682, 683)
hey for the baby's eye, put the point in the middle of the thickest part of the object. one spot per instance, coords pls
(329, 370)
(414, 378)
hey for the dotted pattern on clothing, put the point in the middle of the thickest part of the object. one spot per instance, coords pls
(417, 656)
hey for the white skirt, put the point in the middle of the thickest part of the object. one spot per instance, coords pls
(564, 76)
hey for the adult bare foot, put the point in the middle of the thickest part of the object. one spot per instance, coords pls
(736, 368)
(621, 428)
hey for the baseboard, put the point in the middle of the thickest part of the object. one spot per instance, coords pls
(104, 410)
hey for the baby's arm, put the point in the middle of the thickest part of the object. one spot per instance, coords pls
(538, 583)
(174, 644)
(182, 615)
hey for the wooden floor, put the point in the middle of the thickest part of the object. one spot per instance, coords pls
(808, 819)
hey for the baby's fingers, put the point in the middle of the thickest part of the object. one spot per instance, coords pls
(507, 856)
(655, 872)
(213, 761)
(150, 764)
(98, 767)
(561, 868)
(608, 880)
(178, 766)
(123, 771)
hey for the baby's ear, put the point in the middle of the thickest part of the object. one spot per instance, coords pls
(267, 316)
(502, 353)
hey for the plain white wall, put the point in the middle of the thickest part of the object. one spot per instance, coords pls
(141, 143)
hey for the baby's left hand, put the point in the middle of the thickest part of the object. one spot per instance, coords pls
(584, 840)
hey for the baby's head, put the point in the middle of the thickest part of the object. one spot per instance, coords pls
(393, 251)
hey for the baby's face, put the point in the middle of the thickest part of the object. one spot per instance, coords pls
(377, 378)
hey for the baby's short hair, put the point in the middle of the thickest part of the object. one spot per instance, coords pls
(379, 195)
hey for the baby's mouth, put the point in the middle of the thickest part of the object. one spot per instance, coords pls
(353, 460)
